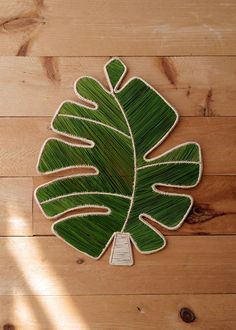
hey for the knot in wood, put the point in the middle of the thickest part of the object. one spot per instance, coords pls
(198, 210)
(8, 326)
(187, 315)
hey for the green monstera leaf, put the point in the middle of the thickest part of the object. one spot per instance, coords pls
(120, 128)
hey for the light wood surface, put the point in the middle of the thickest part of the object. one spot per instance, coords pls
(119, 312)
(196, 86)
(16, 206)
(47, 266)
(187, 51)
(92, 27)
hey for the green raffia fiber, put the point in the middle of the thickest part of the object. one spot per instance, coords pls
(126, 125)
(149, 116)
(115, 69)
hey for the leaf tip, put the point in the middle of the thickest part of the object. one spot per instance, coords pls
(115, 70)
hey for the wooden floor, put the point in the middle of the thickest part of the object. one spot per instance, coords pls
(186, 50)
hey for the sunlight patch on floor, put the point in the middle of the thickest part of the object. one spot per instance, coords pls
(35, 308)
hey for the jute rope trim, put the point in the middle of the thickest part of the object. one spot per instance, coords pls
(95, 122)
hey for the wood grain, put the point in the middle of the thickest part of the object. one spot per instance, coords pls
(196, 86)
(47, 266)
(16, 206)
(213, 212)
(88, 27)
(20, 145)
(118, 312)
(187, 51)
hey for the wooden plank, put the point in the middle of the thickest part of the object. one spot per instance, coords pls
(48, 266)
(213, 212)
(196, 86)
(159, 27)
(21, 140)
(16, 206)
(118, 312)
